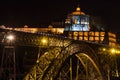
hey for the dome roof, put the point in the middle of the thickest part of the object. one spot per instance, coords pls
(78, 11)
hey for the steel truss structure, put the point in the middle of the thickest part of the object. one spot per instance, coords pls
(58, 58)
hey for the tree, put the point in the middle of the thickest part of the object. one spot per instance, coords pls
(97, 23)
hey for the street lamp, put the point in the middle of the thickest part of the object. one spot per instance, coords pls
(10, 37)
(44, 41)
(114, 52)
(8, 63)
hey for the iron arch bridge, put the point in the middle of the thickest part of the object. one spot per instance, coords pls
(45, 56)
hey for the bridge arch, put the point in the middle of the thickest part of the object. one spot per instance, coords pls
(56, 57)
(83, 68)
(79, 50)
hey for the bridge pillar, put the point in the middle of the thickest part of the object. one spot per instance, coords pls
(70, 68)
(8, 64)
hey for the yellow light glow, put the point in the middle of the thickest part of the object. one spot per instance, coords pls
(117, 51)
(78, 9)
(37, 61)
(10, 37)
(113, 51)
(44, 41)
(103, 49)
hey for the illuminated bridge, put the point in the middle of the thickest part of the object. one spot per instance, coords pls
(44, 56)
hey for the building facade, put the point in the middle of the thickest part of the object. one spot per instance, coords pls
(77, 21)
(77, 26)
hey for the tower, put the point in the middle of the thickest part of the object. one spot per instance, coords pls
(8, 62)
(77, 21)
(78, 27)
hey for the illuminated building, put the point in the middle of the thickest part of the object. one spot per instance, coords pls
(94, 36)
(77, 26)
(50, 29)
(77, 21)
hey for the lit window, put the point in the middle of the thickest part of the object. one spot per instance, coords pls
(80, 33)
(85, 38)
(91, 33)
(112, 44)
(96, 33)
(67, 21)
(101, 38)
(91, 38)
(102, 33)
(75, 33)
(75, 38)
(80, 38)
(70, 34)
(112, 39)
(85, 33)
(96, 38)
(111, 34)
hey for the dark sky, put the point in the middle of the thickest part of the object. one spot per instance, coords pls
(34, 13)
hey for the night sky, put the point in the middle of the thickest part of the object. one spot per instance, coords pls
(35, 13)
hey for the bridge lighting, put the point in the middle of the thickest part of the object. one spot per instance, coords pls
(103, 49)
(113, 51)
(117, 51)
(10, 37)
(44, 40)
(37, 61)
